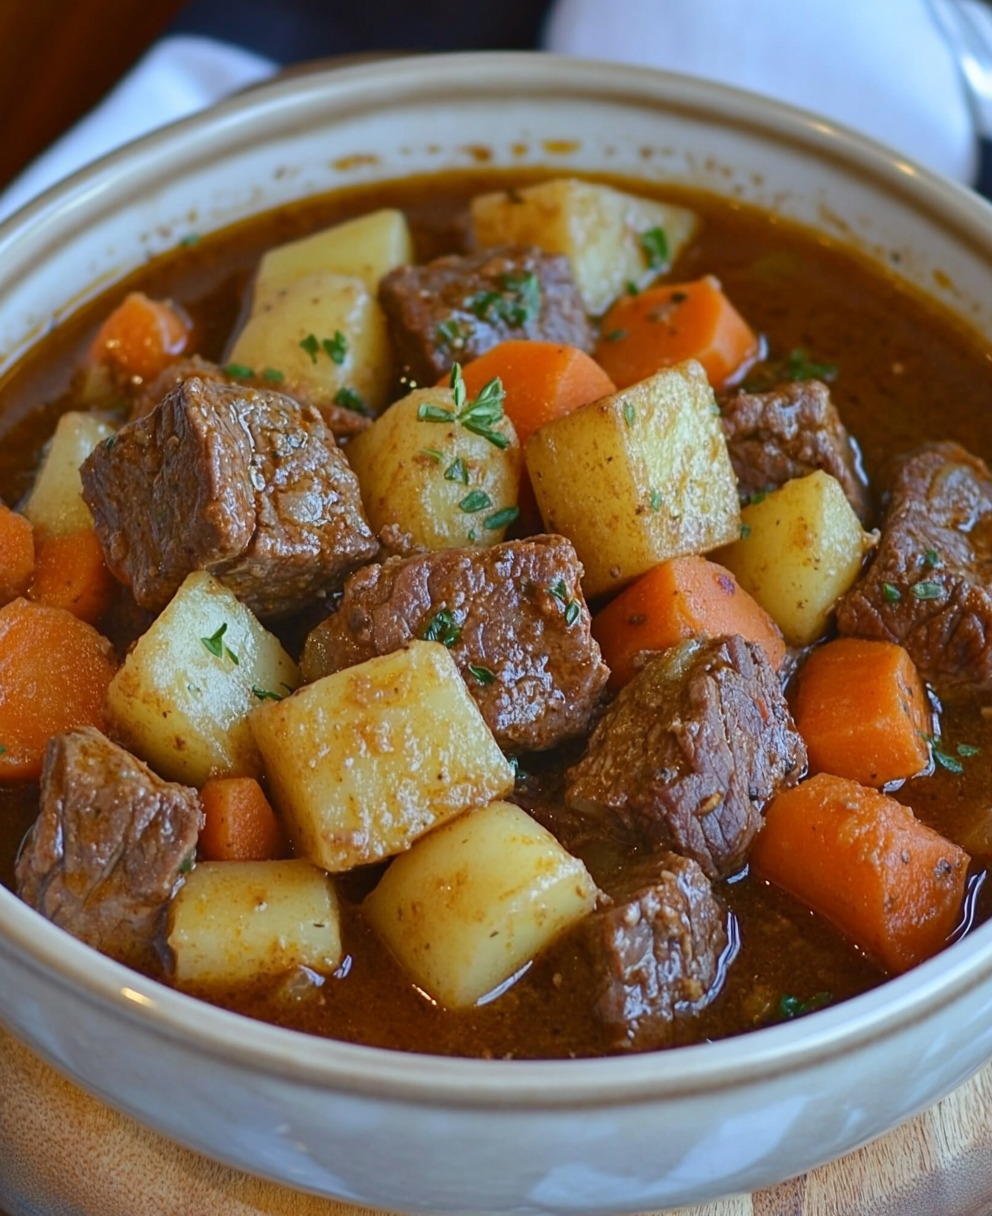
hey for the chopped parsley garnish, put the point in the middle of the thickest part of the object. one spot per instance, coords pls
(456, 471)
(967, 750)
(615, 335)
(633, 289)
(501, 519)
(434, 413)
(569, 606)
(477, 500)
(745, 531)
(892, 594)
(927, 591)
(628, 413)
(655, 500)
(790, 1006)
(800, 367)
(238, 371)
(215, 644)
(187, 864)
(433, 453)
(758, 496)
(518, 302)
(572, 611)
(931, 560)
(449, 333)
(441, 627)
(273, 375)
(482, 674)
(478, 416)
(349, 399)
(311, 346)
(336, 348)
(654, 242)
(266, 694)
(943, 757)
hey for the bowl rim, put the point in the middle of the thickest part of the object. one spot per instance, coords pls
(322, 1064)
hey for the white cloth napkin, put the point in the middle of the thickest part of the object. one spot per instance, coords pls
(879, 66)
(178, 76)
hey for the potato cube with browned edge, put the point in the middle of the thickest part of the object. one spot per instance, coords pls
(637, 478)
(362, 762)
(475, 901)
(235, 921)
(182, 699)
(611, 238)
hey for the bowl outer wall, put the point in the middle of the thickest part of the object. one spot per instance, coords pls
(417, 1133)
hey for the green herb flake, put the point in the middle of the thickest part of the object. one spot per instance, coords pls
(892, 594)
(457, 385)
(456, 471)
(943, 758)
(215, 644)
(615, 335)
(336, 348)
(349, 399)
(967, 750)
(501, 519)
(433, 413)
(477, 500)
(187, 864)
(790, 1006)
(515, 305)
(572, 611)
(633, 289)
(449, 333)
(238, 371)
(745, 531)
(655, 501)
(931, 560)
(758, 496)
(800, 367)
(654, 242)
(3, 749)
(273, 375)
(189, 240)
(482, 674)
(442, 627)
(473, 535)
(927, 591)
(628, 413)
(311, 346)
(433, 453)
(559, 591)
(265, 694)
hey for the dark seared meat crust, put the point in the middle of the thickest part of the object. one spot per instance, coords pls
(930, 585)
(109, 845)
(246, 484)
(534, 642)
(791, 432)
(690, 751)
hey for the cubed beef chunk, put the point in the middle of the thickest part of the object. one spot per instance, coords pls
(247, 484)
(109, 845)
(513, 617)
(790, 432)
(456, 308)
(660, 951)
(930, 585)
(691, 750)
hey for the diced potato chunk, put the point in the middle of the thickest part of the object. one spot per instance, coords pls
(235, 921)
(473, 902)
(800, 549)
(326, 335)
(55, 504)
(602, 232)
(637, 478)
(367, 247)
(362, 762)
(444, 484)
(182, 699)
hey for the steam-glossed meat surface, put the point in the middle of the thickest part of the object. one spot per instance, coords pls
(244, 483)
(790, 432)
(930, 585)
(691, 750)
(659, 951)
(109, 845)
(515, 622)
(456, 308)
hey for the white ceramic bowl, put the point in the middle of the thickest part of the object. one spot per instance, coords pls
(436, 1135)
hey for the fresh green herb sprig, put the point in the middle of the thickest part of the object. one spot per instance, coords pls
(216, 645)
(515, 305)
(570, 607)
(479, 416)
(945, 759)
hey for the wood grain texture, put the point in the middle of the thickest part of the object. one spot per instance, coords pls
(65, 1154)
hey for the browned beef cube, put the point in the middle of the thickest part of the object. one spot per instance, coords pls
(790, 432)
(456, 308)
(691, 750)
(660, 950)
(109, 845)
(513, 617)
(930, 585)
(247, 484)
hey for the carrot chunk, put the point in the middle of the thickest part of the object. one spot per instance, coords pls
(863, 712)
(140, 338)
(70, 573)
(17, 555)
(239, 823)
(676, 600)
(866, 863)
(54, 674)
(665, 325)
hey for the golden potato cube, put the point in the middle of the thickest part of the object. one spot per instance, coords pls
(362, 762)
(182, 699)
(326, 335)
(611, 238)
(473, 902)
(444, 484)
(55, 504)
(235, 921)
(799, 550)
(367, 247)
(637, 478)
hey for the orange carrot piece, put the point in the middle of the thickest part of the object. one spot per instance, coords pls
(239, 824)
(679, 599)
(662, 326)
(54, 674)
(866, 863)
(863, 712)
(140, 338)
(70, 573)
(17, 555)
